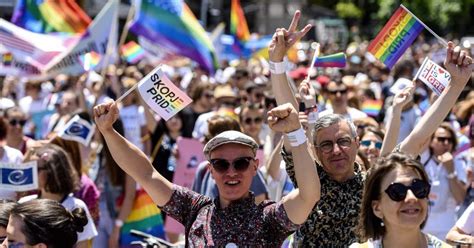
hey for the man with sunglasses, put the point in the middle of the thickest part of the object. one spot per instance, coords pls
(337, 95)
(233, 219)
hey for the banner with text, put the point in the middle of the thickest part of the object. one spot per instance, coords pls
(165, 98)
(434, 76)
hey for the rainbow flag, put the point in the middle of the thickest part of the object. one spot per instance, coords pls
(372, 107)
(238, 24)
(44, 16)
(132, 52)
(7, 59)
(172, 25)
(395, 37)
(145, 217)
(333, 60)
(90, 60)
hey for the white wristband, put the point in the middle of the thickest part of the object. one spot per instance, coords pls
(277, 67)
(296, 137)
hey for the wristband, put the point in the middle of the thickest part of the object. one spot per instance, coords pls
(118, 223)
(277, 67)
(296, 137)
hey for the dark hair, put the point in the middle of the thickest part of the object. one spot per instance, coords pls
(72, 149)
(12, 110)
(47, 221)
(377, 132)
(6, 207)
(3, 128)
(117, 175)
(446, 126)
(249, 106)
(369, 224)
(61, 177)
(199, 89)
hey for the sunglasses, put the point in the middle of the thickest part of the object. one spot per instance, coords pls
(256, 120)
(14, 122)
(398, 191)
(209, 95)
(444, 139)
(259, 95)
(328, 146)
(240, 164)
(334, 92)
(367, 143)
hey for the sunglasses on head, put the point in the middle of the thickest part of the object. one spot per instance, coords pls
(256, 120)
(367, 143)
(14, 122)
(334, 92)
(398, 191)
(444, 139)
(240, 164)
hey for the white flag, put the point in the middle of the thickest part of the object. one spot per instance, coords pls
(165, 98)
(19, 177)
(434, 76)
(78, 129)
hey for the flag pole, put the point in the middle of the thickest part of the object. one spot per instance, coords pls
(315, 56)
(127, 93)
(441, 40)
(126, 28)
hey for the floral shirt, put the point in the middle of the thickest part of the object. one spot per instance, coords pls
(242, 223)
(333, 220)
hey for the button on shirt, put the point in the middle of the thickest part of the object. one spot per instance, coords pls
(242, 223)
(333, 220)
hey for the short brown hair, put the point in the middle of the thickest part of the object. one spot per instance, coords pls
(369, 224)
(446, 126)
(220, 123)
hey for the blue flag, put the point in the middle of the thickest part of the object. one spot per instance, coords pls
(19, 177)
(78, 129)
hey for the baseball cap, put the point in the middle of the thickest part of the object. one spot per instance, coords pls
(229, 137)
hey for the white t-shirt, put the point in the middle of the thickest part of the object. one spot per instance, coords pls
(71, 203)
(351, 114)
(466, 222)
(133, 118)
(10, 155)
(201, 125)
(442, 215)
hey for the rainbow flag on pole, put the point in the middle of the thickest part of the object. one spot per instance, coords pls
(132, 52)
(173, 26)
(333, 60)
(238, 24)
(395, 37)
(372, 107)
(44, 16)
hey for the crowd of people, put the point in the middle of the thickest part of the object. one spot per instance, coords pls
(292, 156)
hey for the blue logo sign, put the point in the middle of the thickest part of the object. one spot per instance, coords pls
(17, 177)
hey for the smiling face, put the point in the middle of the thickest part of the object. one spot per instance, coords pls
(339, 162)
(337, 94)
(232, 184)
(441, 141)
(406, 214)
(370, 146)
(251, 121)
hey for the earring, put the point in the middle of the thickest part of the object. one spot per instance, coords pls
(381, 223)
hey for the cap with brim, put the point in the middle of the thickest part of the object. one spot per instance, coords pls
(229, 137)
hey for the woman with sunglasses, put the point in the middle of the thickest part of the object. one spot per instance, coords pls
(16, 138)
(251, 120)
(395, 205)
(371, 143)
(7, 155)
(447, 177)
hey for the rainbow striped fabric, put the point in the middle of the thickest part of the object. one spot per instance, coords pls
(90, 60)
(145, 217)
(395, 37)
(333, 60)
(7, 59)
(132, 52)
(44, 16)
(172, 25)
(238, 23)
(372, 107)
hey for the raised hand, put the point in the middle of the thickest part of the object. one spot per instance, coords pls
(458, 64)
(403, 97)
(283, 39)
(283, 118)
(307, 93)
(105, 115)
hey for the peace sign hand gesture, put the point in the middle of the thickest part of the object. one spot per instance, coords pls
(283, 39)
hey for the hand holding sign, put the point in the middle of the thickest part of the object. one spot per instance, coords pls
(458, 64)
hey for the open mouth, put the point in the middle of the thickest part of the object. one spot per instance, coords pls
(411, 211)
(232, 183)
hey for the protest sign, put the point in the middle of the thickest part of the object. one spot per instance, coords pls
(19, 177)
(165, 98)
(434, 76)
(190, 156)
(78, 129)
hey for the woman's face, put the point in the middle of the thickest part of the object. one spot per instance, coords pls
(370, 146)
(174, 124)
(252, 121)
(406, 214)
(16, 122)
(15, 237)
(442, 142)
